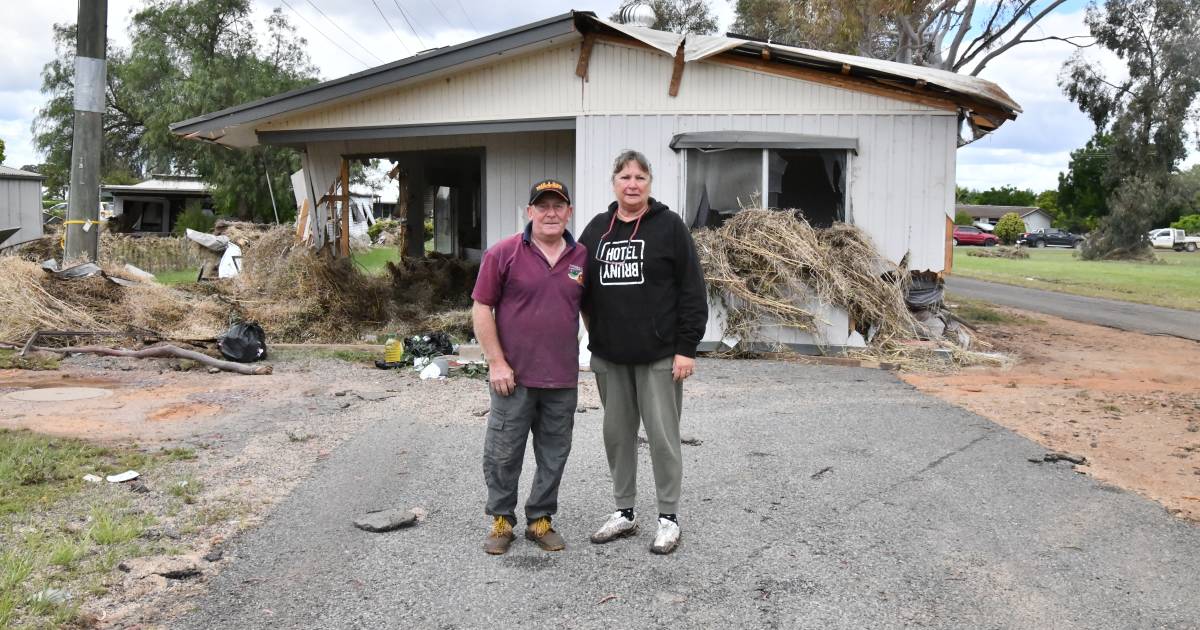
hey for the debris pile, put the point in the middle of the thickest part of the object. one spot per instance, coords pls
(764, 264)
(1003, 251)
(434, 284)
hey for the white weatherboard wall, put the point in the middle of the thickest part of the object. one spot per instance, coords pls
(21, 206)
(901, 180)
(513, 162)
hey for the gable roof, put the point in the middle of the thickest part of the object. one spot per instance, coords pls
(8, 172)
(982, 101)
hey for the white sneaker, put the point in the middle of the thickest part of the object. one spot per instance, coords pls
(667, 538)
(616, 527)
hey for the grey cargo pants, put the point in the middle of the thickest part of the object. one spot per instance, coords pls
(549, 414)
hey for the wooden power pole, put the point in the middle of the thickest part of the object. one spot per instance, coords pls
(83, 210)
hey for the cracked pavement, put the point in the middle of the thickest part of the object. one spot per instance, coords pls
(819, 497)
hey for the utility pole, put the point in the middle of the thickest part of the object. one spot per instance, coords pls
(83, 211)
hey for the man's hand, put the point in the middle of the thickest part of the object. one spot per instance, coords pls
(683, 367)
(501, 378)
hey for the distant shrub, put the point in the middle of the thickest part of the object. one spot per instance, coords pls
(1189, 223)
(195, 218)
(1009, 228)
(381, 226)
(962, 217)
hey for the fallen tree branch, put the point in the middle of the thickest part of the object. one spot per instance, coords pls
(165, 352)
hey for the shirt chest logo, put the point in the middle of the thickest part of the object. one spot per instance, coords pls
(622, 262)
(575, 272)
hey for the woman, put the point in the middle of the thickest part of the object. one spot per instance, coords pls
(645, 308)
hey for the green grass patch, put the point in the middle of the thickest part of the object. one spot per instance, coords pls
(37, 470)
(976, 312)
(1173, 282)
(110, 527)
(11, 360)
(375, 260)
(183, 276)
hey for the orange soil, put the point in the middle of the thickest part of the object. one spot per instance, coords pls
(1128, 402)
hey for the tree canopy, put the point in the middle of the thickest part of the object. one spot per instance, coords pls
(187, 57)
(960, 36)
(1145, 114)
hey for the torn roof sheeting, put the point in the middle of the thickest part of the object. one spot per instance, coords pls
(699, 47)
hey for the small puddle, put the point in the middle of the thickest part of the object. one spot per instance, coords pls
(58, 394)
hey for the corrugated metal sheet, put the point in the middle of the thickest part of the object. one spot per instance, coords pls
(21, 206)
(628, 79)
(538, 85)
(901, 181)
(512, 163)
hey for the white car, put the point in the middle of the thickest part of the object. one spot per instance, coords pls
(1170, 238)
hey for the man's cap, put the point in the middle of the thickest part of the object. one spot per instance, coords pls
(551, 186)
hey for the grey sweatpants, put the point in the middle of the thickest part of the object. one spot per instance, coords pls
(647, 393)
(549, 414)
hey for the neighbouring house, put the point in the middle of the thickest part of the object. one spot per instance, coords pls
(20, 206)
(726, 122)
(1035, 218)
(153, 206)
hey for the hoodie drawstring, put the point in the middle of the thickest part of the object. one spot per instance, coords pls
(613, 222)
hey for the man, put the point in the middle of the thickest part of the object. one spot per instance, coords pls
(526, 317)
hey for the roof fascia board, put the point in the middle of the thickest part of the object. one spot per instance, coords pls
(395, 72)
(299, 137)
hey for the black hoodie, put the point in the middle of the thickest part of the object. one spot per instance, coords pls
(645, 299)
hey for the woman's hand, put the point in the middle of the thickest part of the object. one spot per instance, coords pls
(683, 367)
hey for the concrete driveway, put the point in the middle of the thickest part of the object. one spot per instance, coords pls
(1142, 318)
(820, 497)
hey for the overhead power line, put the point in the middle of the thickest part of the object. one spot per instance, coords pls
(464, 11)
(389, 24)
(331, 40)
(408, 21)
(439, 12)
(348, 36)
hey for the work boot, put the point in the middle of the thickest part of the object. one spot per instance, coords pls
(540, 532)
(500, 537)
(617, 526)
(667, 538)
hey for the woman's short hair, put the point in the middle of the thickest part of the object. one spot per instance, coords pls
(627, 156)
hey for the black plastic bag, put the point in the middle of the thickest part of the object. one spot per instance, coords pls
(433, 344)
(244, 343)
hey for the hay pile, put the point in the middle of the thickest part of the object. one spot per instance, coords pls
(999, 252)
(300, 295)
(31, 300)
(765, 264)
(434, 284)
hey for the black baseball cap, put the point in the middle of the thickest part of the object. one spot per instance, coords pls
(552, 186)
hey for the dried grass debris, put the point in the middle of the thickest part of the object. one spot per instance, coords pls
(1002, 251)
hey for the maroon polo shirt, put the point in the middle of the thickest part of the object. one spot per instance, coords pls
(536, 306)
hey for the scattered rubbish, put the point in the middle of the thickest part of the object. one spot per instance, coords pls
(690, 441)
(606, 599)
(231, 262)
(821, 473)
(1055, 456)
(215, 244)
(51, 596)
(386, 520)
(140, 274)
(128, 475)
(431, 344)
(245, 343)
(164, 351)
(92, 478)
(434, 368)
(85, 270)
(479, 413)
(393, 354)
(139, 487)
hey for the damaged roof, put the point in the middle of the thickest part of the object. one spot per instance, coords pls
(984, 104)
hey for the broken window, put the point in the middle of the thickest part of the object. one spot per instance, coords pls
(722, 181)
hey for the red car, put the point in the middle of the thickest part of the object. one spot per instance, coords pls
(971, 235)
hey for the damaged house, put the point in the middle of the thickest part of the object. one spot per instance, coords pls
(727, 123)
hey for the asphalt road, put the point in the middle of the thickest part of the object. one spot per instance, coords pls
(821, 497)
(1142, 318)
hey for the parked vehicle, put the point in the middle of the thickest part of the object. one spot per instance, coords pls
(1048, 237)
(1170, 238)
(971, 235)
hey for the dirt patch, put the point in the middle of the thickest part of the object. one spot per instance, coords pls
(182, 411)
(1128, 402)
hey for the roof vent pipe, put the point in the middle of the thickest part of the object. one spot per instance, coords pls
(637, 14)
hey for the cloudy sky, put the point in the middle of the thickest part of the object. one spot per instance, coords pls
(1027, 153)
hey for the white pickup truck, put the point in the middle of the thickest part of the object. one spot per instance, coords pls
(1170, 238)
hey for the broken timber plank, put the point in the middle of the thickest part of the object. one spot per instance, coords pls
(165, 352)
(344, 236)
(585, 55)
(677, 72)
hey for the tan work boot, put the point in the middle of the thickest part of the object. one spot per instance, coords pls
(540, 532)
(500, 537)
